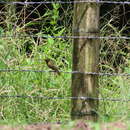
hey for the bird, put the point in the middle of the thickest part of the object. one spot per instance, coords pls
(51, 65)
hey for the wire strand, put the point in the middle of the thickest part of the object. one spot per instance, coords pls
(67, 2)
(67, 37)
(64, 98)
(71, 72)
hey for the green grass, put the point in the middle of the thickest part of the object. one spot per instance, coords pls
(29, 110)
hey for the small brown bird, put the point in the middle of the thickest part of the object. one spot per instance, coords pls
(51, 65)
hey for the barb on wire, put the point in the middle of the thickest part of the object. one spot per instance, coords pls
(71, 72)
(67, 2)
(67, 37)
(64, 98)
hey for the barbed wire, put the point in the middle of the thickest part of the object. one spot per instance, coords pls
(64, 98)
(67, 2)
(72, 72)
(67, 37)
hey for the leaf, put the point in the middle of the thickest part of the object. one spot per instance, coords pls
(2, 65)
(50, 41)
(1, 30)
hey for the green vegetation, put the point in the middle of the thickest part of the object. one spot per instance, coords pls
(29, 53)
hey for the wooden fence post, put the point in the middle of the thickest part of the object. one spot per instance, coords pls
(85, 59)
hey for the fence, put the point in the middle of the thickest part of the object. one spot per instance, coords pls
(66, 37)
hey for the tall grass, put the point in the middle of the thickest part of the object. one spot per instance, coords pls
(30, 53)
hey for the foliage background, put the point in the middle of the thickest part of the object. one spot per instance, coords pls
(29, 52)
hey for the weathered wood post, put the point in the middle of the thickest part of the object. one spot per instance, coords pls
(85, 59)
